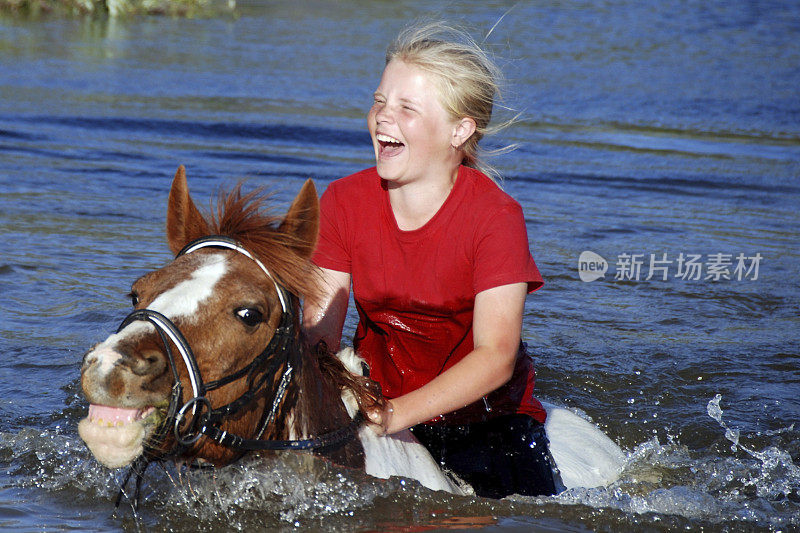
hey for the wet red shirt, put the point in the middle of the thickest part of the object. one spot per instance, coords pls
(415, 290)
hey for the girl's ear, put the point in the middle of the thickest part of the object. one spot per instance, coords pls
(462, 131)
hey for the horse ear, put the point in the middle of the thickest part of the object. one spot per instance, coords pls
(302, 219)
(184, 221)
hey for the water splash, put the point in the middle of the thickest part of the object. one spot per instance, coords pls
(664, 481)
(777, 477)
(282, 492)
(52, 461)
(759, 487)
(293, 487)
(715, 412)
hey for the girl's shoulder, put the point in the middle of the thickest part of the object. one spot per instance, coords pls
(353, 192)
(361, 181)
(485, 192)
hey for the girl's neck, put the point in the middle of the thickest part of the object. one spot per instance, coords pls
(415, 203)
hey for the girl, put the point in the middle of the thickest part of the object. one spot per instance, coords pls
(438, 258)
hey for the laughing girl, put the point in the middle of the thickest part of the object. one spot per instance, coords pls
(438, 259)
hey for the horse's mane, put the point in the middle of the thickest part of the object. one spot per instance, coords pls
(249, 219)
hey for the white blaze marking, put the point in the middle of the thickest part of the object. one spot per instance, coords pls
(183, 300)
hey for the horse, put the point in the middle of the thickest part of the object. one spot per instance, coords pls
(212, 364)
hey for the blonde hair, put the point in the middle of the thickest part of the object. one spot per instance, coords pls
(467, 79)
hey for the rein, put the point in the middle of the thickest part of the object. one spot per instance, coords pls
(281, 356)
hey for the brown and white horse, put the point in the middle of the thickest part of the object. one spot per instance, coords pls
(211, 363)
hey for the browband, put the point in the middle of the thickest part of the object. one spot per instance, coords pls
(221, 241)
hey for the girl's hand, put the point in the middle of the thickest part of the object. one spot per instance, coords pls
(379, 419)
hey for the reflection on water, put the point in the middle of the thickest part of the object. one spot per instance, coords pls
(646, 128)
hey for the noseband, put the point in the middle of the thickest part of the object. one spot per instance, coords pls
(282, 354)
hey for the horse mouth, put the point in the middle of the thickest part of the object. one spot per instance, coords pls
(115, 435)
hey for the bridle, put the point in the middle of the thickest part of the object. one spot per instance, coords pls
(282, 355)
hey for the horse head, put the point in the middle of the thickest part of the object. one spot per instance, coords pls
(212, 347)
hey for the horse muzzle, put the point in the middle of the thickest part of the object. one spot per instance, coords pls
(118, 428)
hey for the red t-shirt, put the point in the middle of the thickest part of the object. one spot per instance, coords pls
(415, 290)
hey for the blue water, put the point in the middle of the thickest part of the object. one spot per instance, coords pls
(649, 128)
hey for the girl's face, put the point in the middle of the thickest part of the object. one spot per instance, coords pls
(411, 132)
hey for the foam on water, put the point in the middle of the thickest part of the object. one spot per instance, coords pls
(741, 483)
(286, 490)
(761, 488)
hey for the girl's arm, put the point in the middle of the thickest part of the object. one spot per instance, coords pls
(497, 326)
(323, 318)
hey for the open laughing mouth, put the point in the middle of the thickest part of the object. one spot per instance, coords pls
(389, 146)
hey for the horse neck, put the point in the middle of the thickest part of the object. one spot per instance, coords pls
(318, 408)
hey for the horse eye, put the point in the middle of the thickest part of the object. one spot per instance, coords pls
(134, 299)
(250, 317)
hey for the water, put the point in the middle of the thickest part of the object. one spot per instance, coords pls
(661, 128)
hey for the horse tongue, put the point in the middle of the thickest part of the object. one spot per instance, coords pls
(112, 415)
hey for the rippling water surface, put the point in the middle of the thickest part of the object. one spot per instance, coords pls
(649, 131)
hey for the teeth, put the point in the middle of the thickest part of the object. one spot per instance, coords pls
(387, 139)
(117, 417)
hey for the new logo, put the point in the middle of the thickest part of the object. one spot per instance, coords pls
(591, 266)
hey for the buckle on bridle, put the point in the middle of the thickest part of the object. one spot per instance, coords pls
(188, 439)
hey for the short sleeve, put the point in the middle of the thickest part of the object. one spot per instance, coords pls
(502, 254)
(333, 250)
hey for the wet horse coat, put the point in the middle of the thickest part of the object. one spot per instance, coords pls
(228, 305)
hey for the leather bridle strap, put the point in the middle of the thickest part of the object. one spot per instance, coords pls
(282, 344)
(221, 241)
(169, 331)
(324, 442)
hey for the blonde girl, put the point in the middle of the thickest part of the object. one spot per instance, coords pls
(437, 257)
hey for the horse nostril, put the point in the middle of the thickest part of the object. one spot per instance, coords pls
(99, 359)
(90, 357)
(150, 362)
